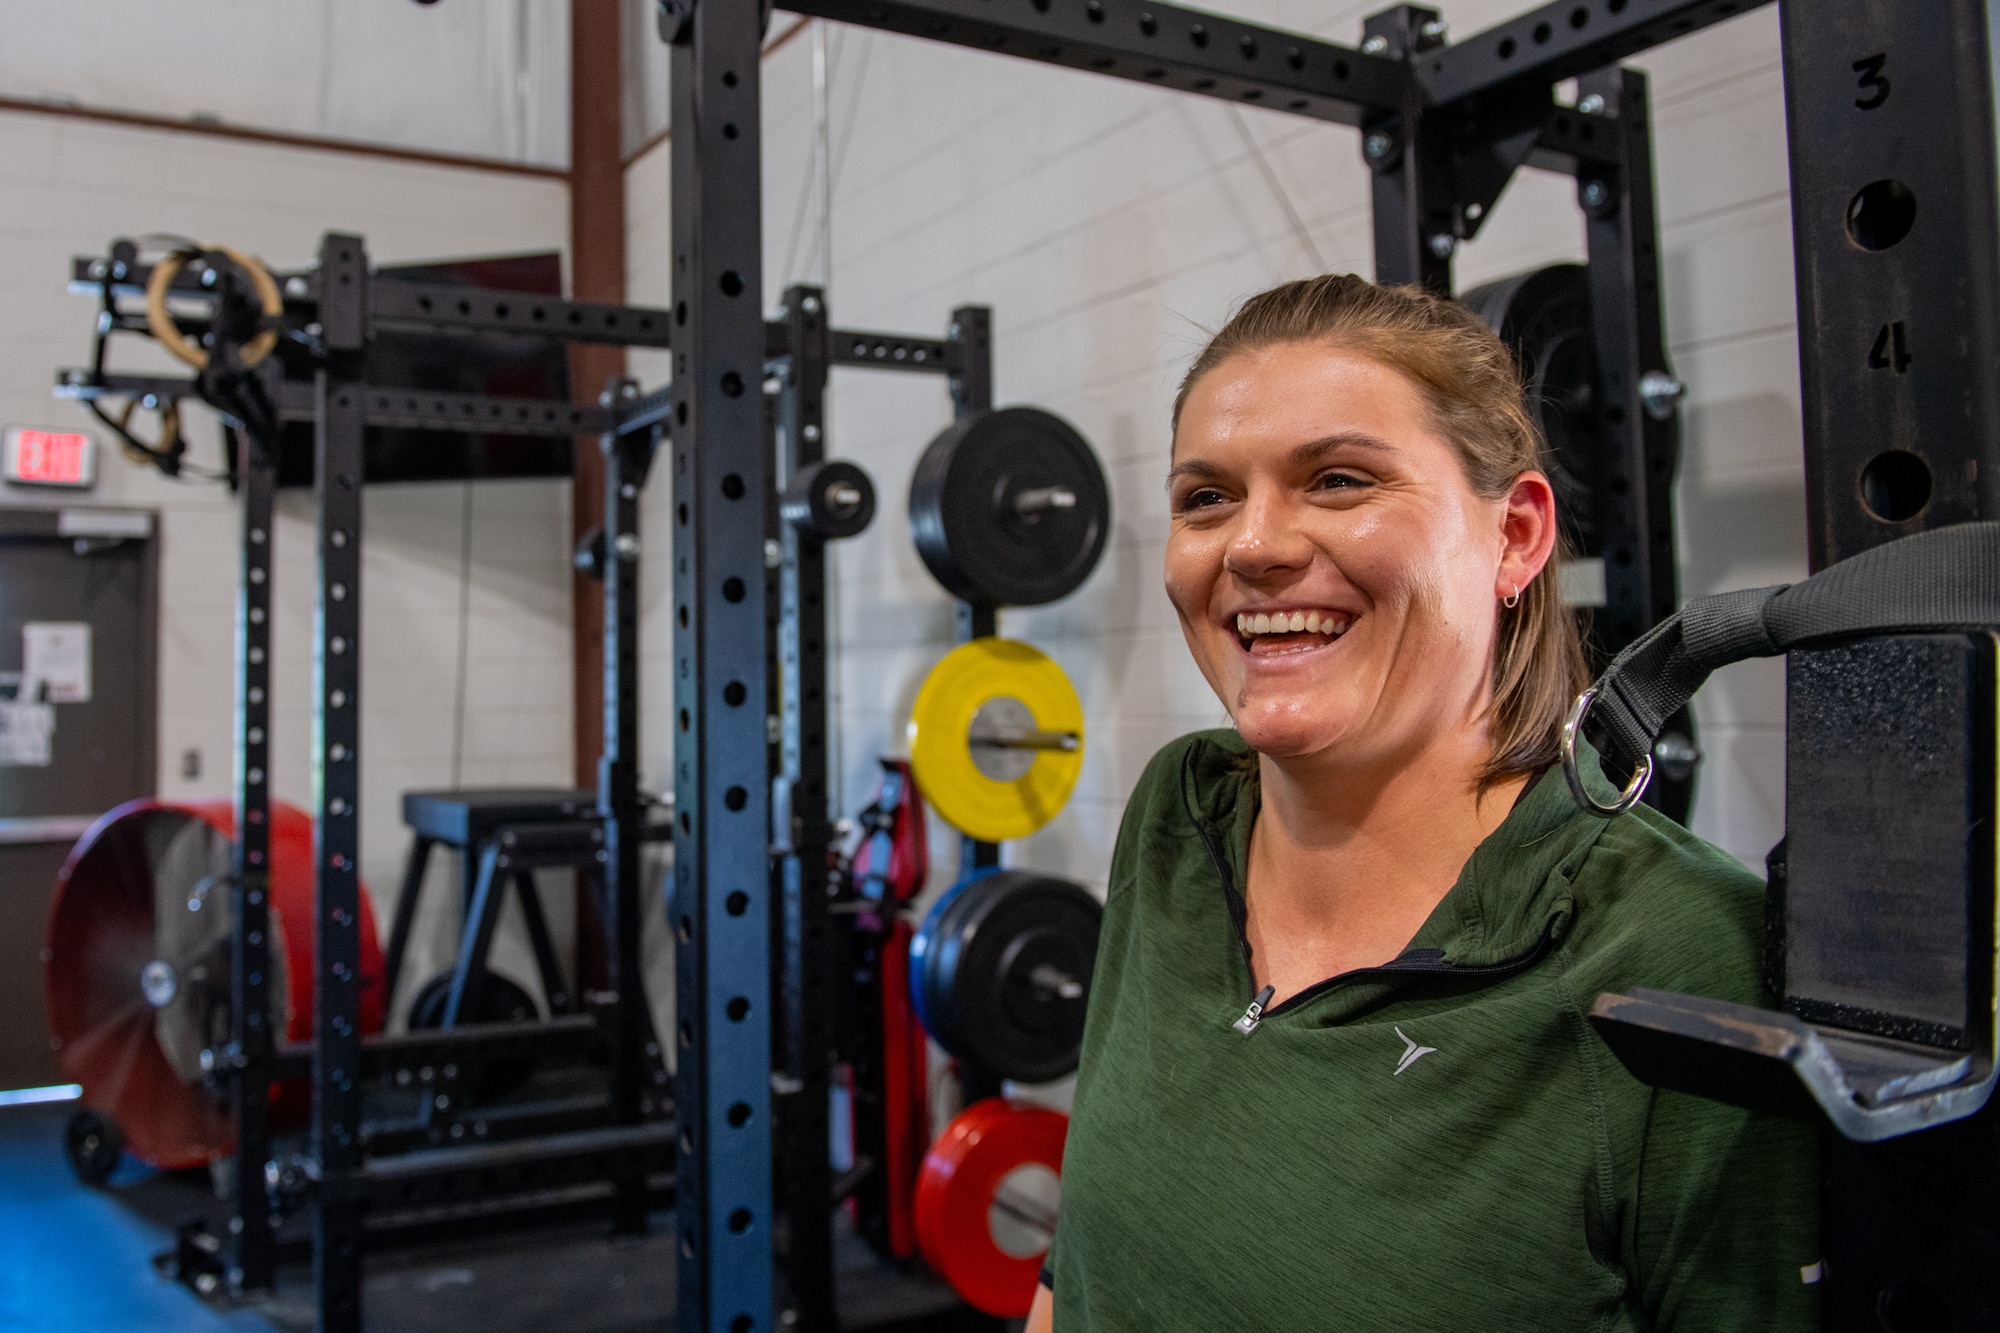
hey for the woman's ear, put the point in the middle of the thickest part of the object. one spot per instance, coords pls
(1528, 529)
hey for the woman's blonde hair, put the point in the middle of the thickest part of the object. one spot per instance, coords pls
(1472, 388)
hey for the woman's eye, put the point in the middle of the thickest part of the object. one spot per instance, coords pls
(1338, 481)
(1201, 498)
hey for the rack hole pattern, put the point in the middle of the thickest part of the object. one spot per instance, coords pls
(524, 415)
(1198, 35)
(394, 300)
(1539, 32)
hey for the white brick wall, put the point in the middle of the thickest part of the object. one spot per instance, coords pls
(70, 186)
(1108, 225)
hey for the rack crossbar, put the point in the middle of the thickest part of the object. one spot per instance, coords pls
(1165, 46)
(1562, 40)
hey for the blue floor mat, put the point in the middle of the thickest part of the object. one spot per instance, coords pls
(77, 1260)
(74, 1259)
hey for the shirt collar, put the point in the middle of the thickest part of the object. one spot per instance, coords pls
(1513, 895)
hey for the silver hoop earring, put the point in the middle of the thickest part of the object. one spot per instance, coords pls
(1513, 601)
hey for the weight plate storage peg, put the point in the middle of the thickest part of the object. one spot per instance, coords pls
(1010, 508)
(986, 1202)
(829, 500)
(996, 738)
(1000, 973)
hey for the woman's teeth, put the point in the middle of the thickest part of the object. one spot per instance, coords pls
(1332, 624)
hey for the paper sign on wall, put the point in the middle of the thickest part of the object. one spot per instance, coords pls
(27, 734)
(55, 661)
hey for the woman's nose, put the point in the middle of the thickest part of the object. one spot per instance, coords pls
(1268, 538)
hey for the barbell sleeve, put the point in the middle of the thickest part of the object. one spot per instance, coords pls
(1036, 499)
(1025, 738)
(1049, 977)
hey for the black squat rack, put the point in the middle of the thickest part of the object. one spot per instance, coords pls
(823, 973)
(443, 1164)
(1888, 103)
(444, 1170)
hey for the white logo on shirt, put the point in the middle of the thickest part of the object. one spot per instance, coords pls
(1411, 1053)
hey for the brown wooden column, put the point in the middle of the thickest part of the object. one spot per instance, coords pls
(597, 273)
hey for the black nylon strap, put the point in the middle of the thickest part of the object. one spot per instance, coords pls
(1946, 579)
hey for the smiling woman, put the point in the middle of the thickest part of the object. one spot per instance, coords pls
(1336, 1072)
(1393, 415)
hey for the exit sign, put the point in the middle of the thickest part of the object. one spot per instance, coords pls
(37, 457)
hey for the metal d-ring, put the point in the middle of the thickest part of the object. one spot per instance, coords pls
(1634, 788)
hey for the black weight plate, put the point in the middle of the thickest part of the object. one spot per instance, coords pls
(941, 947)
(501, 1000)
(1544, 318)
(964, 513)
(1017, 936)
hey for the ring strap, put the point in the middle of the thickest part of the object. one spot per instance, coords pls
(1945, 579)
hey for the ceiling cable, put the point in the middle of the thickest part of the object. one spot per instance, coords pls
(823, 151)
(1277, 189)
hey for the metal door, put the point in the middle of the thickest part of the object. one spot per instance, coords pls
(78, 704)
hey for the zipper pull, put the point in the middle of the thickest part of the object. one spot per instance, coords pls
(1255, 1013)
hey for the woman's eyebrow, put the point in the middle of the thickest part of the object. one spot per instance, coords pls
(1194, 467)
(1314, 450)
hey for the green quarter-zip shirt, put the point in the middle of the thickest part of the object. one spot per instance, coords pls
(1442, 1142)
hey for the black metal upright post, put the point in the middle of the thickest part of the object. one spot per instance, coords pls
(972, 393)
(1635, 499)
(1896, 234)
(1410, 158)
(971, 334)
(336, 1129)
(804, 1174)
(627, 458)
(721, 477)
(1890, 107)
(1637, 401)
(253, 1256)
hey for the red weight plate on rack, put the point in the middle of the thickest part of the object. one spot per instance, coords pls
(986, 1202)
(138, 937)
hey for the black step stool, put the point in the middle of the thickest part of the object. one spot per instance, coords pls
(503, 835)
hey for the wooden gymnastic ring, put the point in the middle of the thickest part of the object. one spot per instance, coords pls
(170, 428)
(186, 349)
